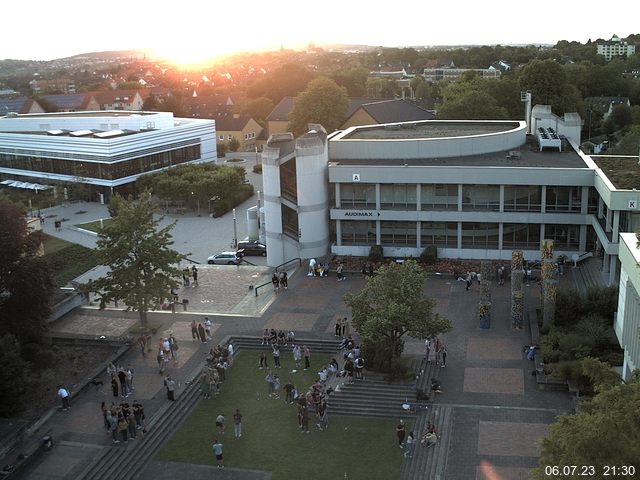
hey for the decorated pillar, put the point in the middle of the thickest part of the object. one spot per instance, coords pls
(517, 295)
(548, 282)
(484, 307)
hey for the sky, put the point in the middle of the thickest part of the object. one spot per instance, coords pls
(192, 30)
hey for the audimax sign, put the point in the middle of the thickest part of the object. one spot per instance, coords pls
(362, 214)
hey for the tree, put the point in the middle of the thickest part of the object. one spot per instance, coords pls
(603, 432)
(546, 80)
(26, 283)
(234, 144)
(323, 102)
(629, 144)
(392, 304)
(469, 99)
(258, 108)
(142, 266)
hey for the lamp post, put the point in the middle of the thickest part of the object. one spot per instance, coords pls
(235, 230)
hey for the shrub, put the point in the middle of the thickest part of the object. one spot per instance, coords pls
(257, 168)
(376, 254)
(569, 308)
(221, 149)
(39, 355)
(571, 371)
(398, 370)
(222, 206)
(602, 301)
(429, 255)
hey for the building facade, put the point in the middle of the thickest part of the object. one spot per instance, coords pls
(615, 48)
(627, 322)
(104, 150)
(451, 74)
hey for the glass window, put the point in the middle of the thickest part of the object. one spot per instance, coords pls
(594, 196)
(563, 199)
(290, 222)
(520, 235)
(565, 237)
(480, 235)
(439, 234)
(522, 198)
(358, 195)
(398, 196)
(356, 232)
(398, 234)
(481, 197)
(439, 197)
(288, 180)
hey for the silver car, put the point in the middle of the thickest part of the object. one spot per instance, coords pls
(224, 258)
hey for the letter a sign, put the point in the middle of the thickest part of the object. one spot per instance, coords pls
(356, 177)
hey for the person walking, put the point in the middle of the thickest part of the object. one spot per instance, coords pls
(443, 352)
(410, 441)
(237, 423)
(307, 357)
(194, 274)
(276, 356)
(170, 385)
(207, 328)
(160, 360)
(339, 272)
(427, 348)
(401, 431)
(220, 424)
(194, 330)
(217, 450)
(338, 329)
(63, 394)
(201, 333)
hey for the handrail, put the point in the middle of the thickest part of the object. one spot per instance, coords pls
(298, 259)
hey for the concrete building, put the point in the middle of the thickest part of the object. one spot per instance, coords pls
(474, 189)
(627, 322)
(615, 47)
(452, 74)
(105, 150)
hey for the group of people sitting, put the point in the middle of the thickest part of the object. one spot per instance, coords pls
(430, 436)
(273, 337)
(317, 269)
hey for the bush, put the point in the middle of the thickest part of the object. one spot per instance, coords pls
(429, 255)
(257, 168)
(222, 206)
(571, 371)
(40, 356)
(222, 149)
(398, 370)
(569, 308)
(376, 254)
(602, 301)
(14, 378)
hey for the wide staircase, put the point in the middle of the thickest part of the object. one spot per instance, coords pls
(316, 346)
(429, 463)
(588, 274)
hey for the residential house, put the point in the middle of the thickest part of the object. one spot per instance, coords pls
(129, 100)
(73, 102)
(387, 111)
(63, 85)
(241, 127)
(19, 105)
(606, 104)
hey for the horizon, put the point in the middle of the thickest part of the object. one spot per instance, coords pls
(195, 32)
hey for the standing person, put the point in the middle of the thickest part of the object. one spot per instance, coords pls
(338, 329)
(170, 384)
(276, 282)
(339, 272)
(304, 419)
(345, 327)
(115, 385)
(194, 330)
(263, 361)
(276, 387)
(401, 431)
(201, 333)
(207, 327)
(142, 343)
(359, 364)
(217, 450)
(174, 349)
(289, 387)
(270, 383)
(284, 280)
(237, 423)
(230, 356)
(63, 394)
(443, 352)
(276, 356)
(297, 355)
(307, 357)
(501, 275)
(427, 348)
(265, 336)
(129, 378)
(122, 376)
(220, 424)
(194, 274)
(410, 441)
(160, 359)
(437, 347)
(468, 281)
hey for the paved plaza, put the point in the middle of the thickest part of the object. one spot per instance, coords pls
(498, 413)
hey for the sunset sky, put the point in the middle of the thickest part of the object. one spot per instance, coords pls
(191, 30)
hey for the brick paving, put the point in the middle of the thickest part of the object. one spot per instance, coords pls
(508, 381)
(510, 438)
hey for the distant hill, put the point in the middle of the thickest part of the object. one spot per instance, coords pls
(109, 55)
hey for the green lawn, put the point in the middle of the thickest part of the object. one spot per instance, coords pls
(69, 259)
(352, 447)
(94, 226)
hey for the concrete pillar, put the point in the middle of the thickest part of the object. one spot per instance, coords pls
(418, 197)
(500, 234)
(613, 268)
(616, 226)
(459, 235)
(338, 197)
(517, 295)
(583, 239)
(418, 237)
(605, 263)
(378, 198)
(543, 199)
(339, 233)
(584, 201)
(378, 233)
(459, 197)
(501, 198)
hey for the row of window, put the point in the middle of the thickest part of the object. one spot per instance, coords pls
(445, 234)
(247, 136)
(105, 171)
(473, 197)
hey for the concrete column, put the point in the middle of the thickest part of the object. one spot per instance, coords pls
(584, 201)
(459, 235)
(339, 233)
(459, 197)
(600, 206)
(418, 197)
(338, 197)
(378, 197)
(543, 199)
(501, 198)
(500, 234)
(613, 267)
(616, 226)
(542, 234)
(378, 233)
(418, 239)
(583, 238)
(605, 263)
(608, 221)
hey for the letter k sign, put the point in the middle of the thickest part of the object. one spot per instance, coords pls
(633, 204)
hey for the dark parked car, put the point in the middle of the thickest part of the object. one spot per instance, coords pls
(252, 248)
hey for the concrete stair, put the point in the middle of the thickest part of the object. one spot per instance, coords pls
(589, 274)
(372, 397)
(328, 347)
(429, 463)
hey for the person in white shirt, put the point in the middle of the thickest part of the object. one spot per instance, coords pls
(63, 393)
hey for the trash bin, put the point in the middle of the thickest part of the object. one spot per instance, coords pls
(185, 302)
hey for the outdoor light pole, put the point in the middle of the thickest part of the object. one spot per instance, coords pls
(235, 230)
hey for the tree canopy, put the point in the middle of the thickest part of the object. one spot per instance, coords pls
(604, 431)
(323, 102)
(392, 304)
(26, 283)
(143, 267)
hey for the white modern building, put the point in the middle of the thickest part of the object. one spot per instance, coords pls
(627, 323)
(474, 189)
(452, 74)
(615, 47)
(106, 150)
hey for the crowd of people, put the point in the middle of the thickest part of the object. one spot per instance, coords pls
(121, 380)
(123, 421)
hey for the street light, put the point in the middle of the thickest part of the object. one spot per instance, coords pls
(197, 202)
(235, 230)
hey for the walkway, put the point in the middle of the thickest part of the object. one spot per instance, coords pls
(491, 409)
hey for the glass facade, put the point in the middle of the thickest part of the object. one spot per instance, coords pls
(289, 181)
(439, 197)
(290, 222)
(522, 198)
(442, 235)
(101, 170)
(398, 196)
(399, 234)
(565, 237)
(481, 197)
(521, 236)
(480, 235)
(356, 195)
(563, 199)
(358, 233)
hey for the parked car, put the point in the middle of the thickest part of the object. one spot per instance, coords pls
(252, 248)
(224, 258)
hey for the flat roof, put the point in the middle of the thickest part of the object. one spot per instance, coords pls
(623, 171)
(94, 113)
(528, 155)
(428, 129)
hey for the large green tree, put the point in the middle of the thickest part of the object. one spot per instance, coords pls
(604, 432)
(469, 98)
(323, 102)
(26, 281)
(143, 267)
(392, 304)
